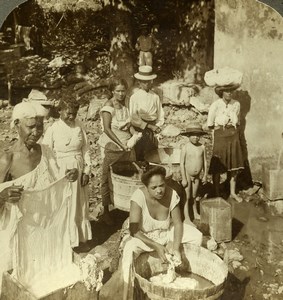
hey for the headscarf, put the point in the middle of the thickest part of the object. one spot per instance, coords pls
(27, 110)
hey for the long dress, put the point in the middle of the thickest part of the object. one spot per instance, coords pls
(34, 233)
(160, 231)
(72, 151)
(110, 151)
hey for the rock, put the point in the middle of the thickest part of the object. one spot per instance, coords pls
(236, 264)
(197, 103)
(234, 255)
(243, 268)
(280, 290)
(211, 244)
(171, 131)
(263, 219)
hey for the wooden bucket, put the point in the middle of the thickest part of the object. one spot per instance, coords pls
(217, 213)
(272, 182)
(166, 157)
(195, 260)
(124, 186)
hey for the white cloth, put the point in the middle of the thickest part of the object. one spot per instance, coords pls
(146, 107)
(223, 76)
(42, 242)
(222, 114)
(27, 110)
(40, 178)
(72, 151)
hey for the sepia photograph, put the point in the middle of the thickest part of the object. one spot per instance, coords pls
(141, 150)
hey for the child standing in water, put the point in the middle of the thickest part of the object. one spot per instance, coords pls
(192, 163)
(69, 141)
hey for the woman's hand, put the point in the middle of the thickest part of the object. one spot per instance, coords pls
(154, 128)
(11, 194)
(84, 179)
(177, 257)
(72, 175)
(204, 179)
(184, 183)
(125, 148)
(161, 251)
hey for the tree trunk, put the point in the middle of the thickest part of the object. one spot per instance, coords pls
(194, 55)
(121, 50)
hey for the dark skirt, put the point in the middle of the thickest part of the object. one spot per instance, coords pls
(227, 153)
(147, 143)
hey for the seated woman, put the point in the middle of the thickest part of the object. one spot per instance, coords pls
(155, 224)
(117, 131)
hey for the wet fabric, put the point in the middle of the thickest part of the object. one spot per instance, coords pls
(72, 151)
(42, 242)
(227, 152)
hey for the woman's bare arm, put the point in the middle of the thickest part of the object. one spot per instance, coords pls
(106, 119)
(135, 230)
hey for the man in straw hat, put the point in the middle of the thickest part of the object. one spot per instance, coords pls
(223, 118)
(26, 166)
(145, 45)
(192, 163)
(147, 115)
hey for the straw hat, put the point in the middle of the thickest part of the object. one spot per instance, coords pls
(224, 88)
(194, 129)
(145, 73)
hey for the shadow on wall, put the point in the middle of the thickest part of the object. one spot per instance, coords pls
(244, 180)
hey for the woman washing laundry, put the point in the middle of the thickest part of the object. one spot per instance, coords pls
(154, 225)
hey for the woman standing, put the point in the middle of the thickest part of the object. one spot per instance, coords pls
(147, 114)
(117, 131)
(223, 117)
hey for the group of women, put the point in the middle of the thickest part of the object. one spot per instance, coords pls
(155, 220)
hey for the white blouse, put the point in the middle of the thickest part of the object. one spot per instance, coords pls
(223, 114)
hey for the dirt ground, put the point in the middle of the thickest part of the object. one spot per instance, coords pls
(257, 234)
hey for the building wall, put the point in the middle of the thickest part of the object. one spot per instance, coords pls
(249, 37)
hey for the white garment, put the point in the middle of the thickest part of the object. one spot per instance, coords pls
(72, 151)
(42, 243)
(223, 114)
(21, 233)
(146, 107)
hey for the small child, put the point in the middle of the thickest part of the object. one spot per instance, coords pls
(192, 162)
(68, 139)
(145, 44)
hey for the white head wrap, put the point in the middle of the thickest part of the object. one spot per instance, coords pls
(27, 110)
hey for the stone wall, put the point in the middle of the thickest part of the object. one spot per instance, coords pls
(249, 37)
